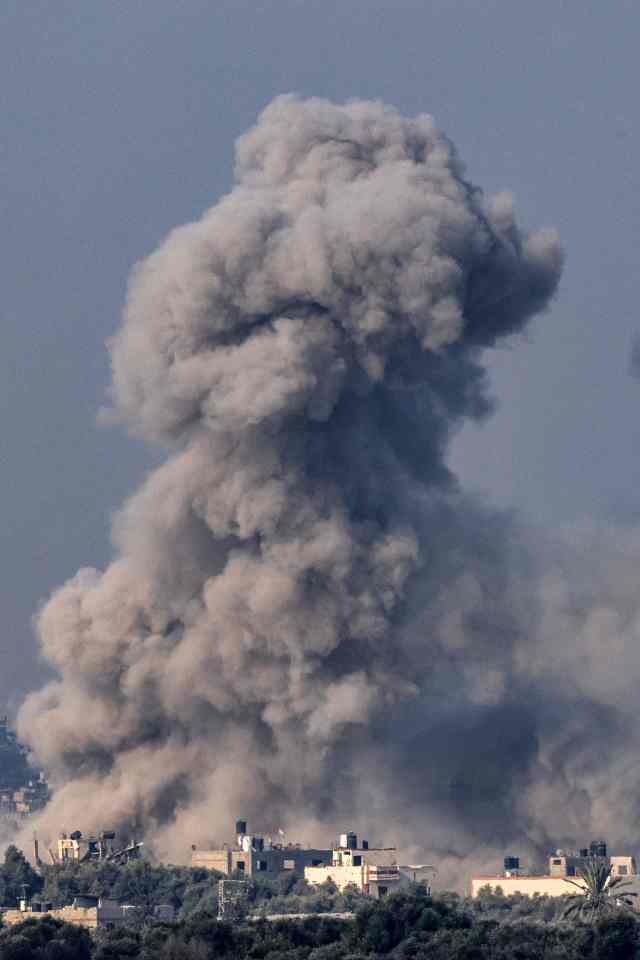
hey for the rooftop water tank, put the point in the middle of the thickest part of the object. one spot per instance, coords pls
(349, 841)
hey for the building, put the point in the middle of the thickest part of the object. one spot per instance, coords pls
(89, 912)
(564, 873)
(23, 790)
(78, 849)
(17, 804)
(373, 870)
(252, 854)
(424, 873)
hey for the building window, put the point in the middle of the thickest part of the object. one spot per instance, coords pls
(289, 865)
(262, 865)
(557, 863)
(357, 861)
(622, 869)
(240, 866)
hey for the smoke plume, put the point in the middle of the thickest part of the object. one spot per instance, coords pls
(307, 622)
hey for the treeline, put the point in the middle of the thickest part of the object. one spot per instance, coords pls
(403, 926)
(187, 889)
(190, 890)
(409, 925)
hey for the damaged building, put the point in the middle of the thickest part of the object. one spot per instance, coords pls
(77, 848)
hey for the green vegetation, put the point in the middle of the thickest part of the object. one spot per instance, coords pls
(600, 893)
(408, 925)
(16, 877)
(403, 926)
(46, 939)
(189, 890)
(14, 768)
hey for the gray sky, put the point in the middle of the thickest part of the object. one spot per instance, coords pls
(118, 121)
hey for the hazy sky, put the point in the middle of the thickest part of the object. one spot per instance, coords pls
(118, 121)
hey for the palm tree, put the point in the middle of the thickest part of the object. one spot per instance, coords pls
(600, 893)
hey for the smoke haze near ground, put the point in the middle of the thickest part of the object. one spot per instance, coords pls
(307, 622)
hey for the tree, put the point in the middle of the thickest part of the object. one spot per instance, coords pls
(116, 944)
(600, 893)
(45, 938)
(616, 937)
(17, 873)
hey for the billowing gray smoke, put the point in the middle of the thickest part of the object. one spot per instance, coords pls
(306, 621)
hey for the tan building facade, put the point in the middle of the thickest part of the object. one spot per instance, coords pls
(251, 855)
(89, 912)
(372, 870)
(77, 848)
(524, 884)
(267, 861)
(563, 875)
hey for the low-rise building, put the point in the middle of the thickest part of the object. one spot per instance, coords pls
(564, 873)
(23, 790)
(89, 912)
(252, 854)
(373, 870)
(423, 873)
(77, 848)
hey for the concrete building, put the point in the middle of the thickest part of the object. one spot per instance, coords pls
(424, 873)
(373, 870)
(564, 872)
(77, 848)
(89, 912)
(252, 854)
